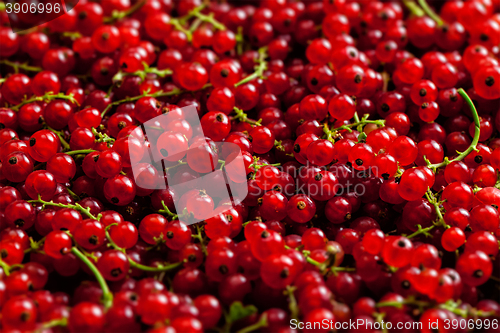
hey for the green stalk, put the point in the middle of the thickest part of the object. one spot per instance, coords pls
(117, 15)
(76, 206)
(413, 8)
(431, 13)
(76, 152)
(259, 69)
(134, 264)
(261, 323)
(475, 140)
(46, 97)
(24, 67)
(5, 267)
(107, 295)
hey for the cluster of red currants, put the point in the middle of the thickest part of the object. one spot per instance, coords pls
(368, 136)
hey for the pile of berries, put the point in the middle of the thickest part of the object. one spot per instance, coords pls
(368, 135)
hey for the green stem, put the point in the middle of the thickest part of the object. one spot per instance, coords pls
(475, 140)
(49, 96)
(76, 206)
(117, 15)
(261, 323)
(421, 230)
(136, 265)
(431, 13)
(243, 117)
(17, 66)
(61, 322)
(76, 152)
(199, 237)
(292, 302)
(64, 143)
(5, 267)
(210, 19)
(107, 295)
(259, 69)
(160, 268)
(102, 137)
(413, 8)
(167, 211)
(142, 73)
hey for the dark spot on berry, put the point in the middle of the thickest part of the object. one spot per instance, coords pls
(192, 258)
(490, 81)
(284, 273)
(484, 37)
(170, 234)
(425, 105)
(422, 92)
(405, 284)
(250, 175)
(13, 160)
(2, 126)
(19, 223)
(357, 78)
(478, 159)
(384, 16)
(4, 253)
(314, 81)
(133, 297)
(478, 274)
(347, 216)
(301, 205)
(32, 142)
(318, 177)
(223, 269)
(265, 234)
(385, 107)
(229, 217)
(93, 240)
(259, 201)
(96, 158)
(453, 98)
(387, 47)
(122, 124)
(104, 71)
(494, 206)
(124, 65)
(115, 200)
(219, 117)
(24, 317)
(224, 72)
(105, 36)
(385, 176)
(296, 148)
(352, 54)
(287, 22)
(401, 243)
(359, 162)
(82, 15)
(116, 272)
(164, 152)
(277, 188)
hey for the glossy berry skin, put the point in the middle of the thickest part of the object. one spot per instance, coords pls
(216, 125)
(109, 164)
(62, 167)
(474, 268)
(113, 265)
(301, 208)
(119, 190)
(43, 145)
(396, 251)
(57, 244)
(41, 183)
